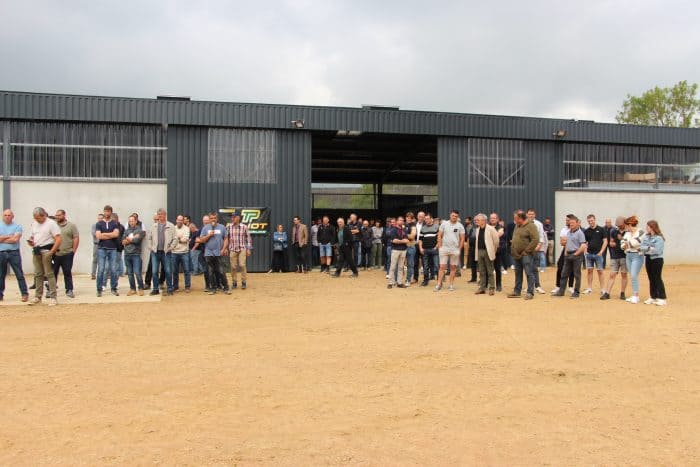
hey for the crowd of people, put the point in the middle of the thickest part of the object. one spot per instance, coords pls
(412, 249)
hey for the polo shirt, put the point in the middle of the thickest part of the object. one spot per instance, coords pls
(616, 252)
(595, 236)
(574, 240)
(107, 227)
(10, 229)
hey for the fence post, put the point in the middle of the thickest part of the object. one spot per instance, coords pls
(656, 179)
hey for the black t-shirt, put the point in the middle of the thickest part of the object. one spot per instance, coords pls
(325, 234)
(616, 252)
(355, 226)
(549, 231)
(595, 236)
(480, 242)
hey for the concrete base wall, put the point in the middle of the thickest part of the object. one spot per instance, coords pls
(82, 201)
(676, 214)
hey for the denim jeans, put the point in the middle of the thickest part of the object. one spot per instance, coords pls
(13, 258)
(357, 253)
(537, 258)
(410, 258)
(133, 271)
(387, 260)
(195, 266)
(430, 264)
(107, 258)
(178, 259)
(635, 261)
(158, 257)
(65, 263)
(526, 264)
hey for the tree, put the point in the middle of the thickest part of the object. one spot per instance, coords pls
(675, 106)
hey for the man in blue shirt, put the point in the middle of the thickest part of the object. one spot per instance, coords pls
(215, 240)
(10, 235)
(107, 234)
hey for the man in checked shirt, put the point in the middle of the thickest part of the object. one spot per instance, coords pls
(240, 246)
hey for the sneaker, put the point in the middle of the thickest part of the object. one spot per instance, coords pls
(529, 296)
(140, 292)
(575, 295)
(541, 271)
(187, 290)
(560, 293)
(451, 288)
(155, 292)
(234, 285)
(211, 292)
(491, 292)
(387, 276)
(354, 276)
(35, 301)
(400, 286)
(571, 290)
(70, 294)
(633, 300)
(99, 294)
(131, 292)
(407, 284)
(170, 293)
(540, 290)
(649, 301)
(587, 291)
(114, 292)
(555, 290)
(622, 296)
(512, 266)
(424, 284)
(52, 302)
(605, 296)
(437, 288)
(227, 291)
(660, 302)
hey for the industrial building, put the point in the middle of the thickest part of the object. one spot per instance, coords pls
(81, 152)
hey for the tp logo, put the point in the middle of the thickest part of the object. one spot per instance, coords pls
(249, 215)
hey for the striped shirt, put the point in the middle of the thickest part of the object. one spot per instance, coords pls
(239, 238)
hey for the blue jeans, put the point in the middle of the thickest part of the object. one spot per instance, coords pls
(357, 253)
(594, 260)
(133, 268)
(430, 264)
(525, 263)
(635, 261)
(387, 260)
(410, 262)
(195, 265)
(181, 258)
(158, 257)
(538, 258)
(13, 258)
(120, 262)
(107, 259)
(543, 259)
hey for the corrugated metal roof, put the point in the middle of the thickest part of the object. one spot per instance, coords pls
(23, 105)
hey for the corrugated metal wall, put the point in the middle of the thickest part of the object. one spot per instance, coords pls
(189, 191)
(541, 178)
(17, 105)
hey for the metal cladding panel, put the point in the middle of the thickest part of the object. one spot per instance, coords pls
(190, 192)
(541, 178)
(16, 105)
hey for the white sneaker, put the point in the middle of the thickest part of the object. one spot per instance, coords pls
(555, 290)
(437, 288)
(541, 270)
(649, 301)
(451, 288)
(571, 290)
(660, 302)
(387, 276)
(633, 299)
(504, 272)
(587, 291)
(407, 284)
(35, 301)
(540, 290)
(52, 302)
(512, 267)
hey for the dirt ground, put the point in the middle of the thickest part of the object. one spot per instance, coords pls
(310, 370)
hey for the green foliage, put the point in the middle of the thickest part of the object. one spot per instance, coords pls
(672, 107)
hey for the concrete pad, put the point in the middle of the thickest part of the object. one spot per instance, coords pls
(83, 288)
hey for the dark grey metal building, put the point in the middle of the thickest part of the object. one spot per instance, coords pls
(214, 154)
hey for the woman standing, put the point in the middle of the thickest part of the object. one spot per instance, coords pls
(631, 243)
(377, 234)
(279, 250)
(653, 248)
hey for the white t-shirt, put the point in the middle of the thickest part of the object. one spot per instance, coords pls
(543, 236)
(450, 236)
(43, 234)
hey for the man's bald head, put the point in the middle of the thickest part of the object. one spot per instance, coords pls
(8, 216)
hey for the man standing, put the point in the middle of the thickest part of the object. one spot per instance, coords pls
(181, 254)
(193, 253)
(45, 241)
(325, 237)
(398, 239)
(107, 234)
(95, 242)
(346, 256)
(10, 236)
(597, 240)
(540, 251)
(356, 240)
(66, 252)
(563, 234)
(240, 246)
(469, 242)
(573, 256)
(549, 232)
(618, 259)
(523, 248)
(120, 247)
(495, 222)
(366, 234)
(420, 221)
(162, 243)
(450, 243)
(427, 244)
(213, 237)
(410, 248)
(300, 243)
(485, 254)
(132, 239)
(315, 253)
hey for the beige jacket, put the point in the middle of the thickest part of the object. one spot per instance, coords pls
(490, 239)
(170, 237)
(303, 235)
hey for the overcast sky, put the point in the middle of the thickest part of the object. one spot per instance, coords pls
(568, 59)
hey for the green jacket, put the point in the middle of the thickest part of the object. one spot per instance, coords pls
(525, 240)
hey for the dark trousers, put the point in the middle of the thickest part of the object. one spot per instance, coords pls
(300, 257)
(13, 258)
(560, 267)
(149, 273)
(572, 265)
(64, 263)
(430, 264)
(524, 264)
(416, 263)
(497, 264)
(159, 258)
(346, 256)
(654, 267)
(279, 261)
(366, 255)
(357, 252)
(216, 272)
(184, 260)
